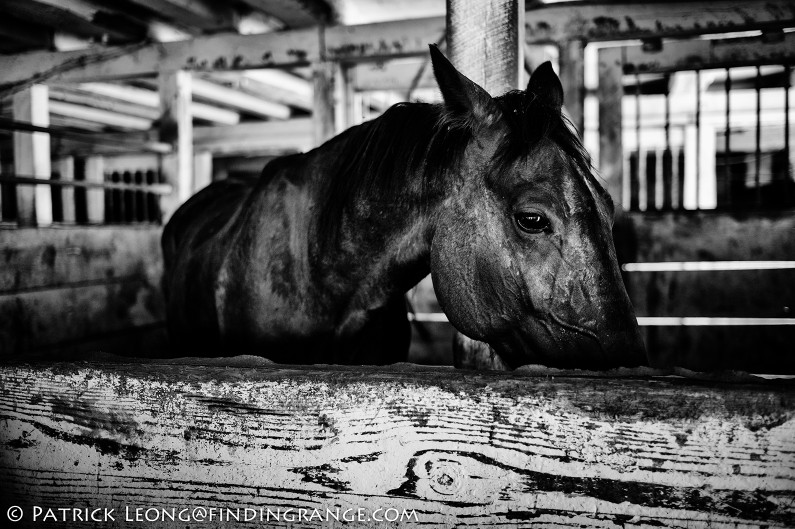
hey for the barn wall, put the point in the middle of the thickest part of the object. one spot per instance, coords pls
(705, 236)
(81, 288)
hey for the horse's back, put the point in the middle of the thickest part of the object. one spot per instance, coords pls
(194, 242)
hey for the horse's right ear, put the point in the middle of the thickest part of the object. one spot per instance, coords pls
(462, 96)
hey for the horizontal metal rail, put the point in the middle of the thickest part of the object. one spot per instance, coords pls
(707, 266)
(156, 189)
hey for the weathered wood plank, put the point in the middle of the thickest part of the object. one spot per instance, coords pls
(694, 54)
(460, 448)
(176, 128)
(621, 20)
(40, 319)
(41, 259)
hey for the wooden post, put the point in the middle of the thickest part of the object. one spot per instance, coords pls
(323, 113)
(202, 170)
(485, 40)
(32, 156)
(610, 94)
(176, 128)
(343, 98)
(572, 76)
(95, 197)
(66, 169)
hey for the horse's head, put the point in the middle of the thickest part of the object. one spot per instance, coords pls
(522, 255)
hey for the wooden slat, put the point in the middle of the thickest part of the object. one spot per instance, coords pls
(40, 319)
(32, 156)
(58, 257)
(693, 54)
(623, 20)
(95, 198)
(460, 448)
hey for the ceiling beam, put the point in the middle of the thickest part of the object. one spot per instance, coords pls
(97, 115)
(296, 13)
(227, 52)
(201, 14)
(151, 98)
(228, 97)
(554, 22)
(273, 85)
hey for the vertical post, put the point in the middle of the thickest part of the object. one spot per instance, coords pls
(344, 108)
(95, 197)
(610, 93)
(32, 156)
(323, 113)
(202, 170)
(66, 168)
(176, 128)
(572, 76)
(485, 40)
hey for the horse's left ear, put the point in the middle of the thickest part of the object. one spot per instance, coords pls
(463, 96)
(544, 83)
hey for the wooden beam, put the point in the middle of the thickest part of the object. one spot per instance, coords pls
(296, 13)
(200, 14)
(118, 106)
(459, 448)
(228, 97)
(273, 85)
(226, 52)
(151, 98)
(693, 54)
(623, 20)
(399, 74)
(265, 139)
(32, 157)
(97, 115)
(176, 128)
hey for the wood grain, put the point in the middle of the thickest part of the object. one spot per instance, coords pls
(463, 449)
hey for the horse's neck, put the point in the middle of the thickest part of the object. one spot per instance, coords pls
(382, 249)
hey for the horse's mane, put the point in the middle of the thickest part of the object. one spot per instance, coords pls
(375, 159)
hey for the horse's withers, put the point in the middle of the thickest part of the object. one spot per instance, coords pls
(522, 255)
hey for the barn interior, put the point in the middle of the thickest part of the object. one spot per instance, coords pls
(112, 113)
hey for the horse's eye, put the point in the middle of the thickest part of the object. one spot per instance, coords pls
(532, 222)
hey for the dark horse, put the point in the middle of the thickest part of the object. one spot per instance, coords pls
(493, 196)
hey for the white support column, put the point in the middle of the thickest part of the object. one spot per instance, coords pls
(202, 170)
(323, 108)
(95, 197)
(32, 156)
(176, 128)
(66, 170)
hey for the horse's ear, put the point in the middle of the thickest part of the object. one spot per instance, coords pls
(462, 96)
(544, 83)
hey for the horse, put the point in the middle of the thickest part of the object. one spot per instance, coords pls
(493, 196)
